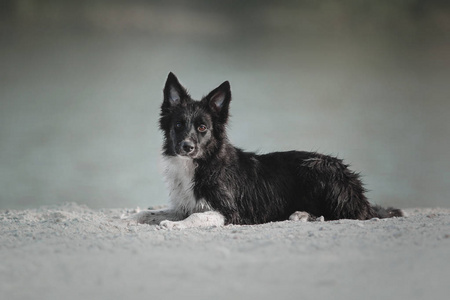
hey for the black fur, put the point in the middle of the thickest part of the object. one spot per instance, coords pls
(248, 188)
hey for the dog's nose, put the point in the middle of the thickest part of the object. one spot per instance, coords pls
(187, 146)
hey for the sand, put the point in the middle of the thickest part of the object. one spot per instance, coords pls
(73, 252)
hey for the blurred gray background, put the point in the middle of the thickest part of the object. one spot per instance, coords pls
(81, 85)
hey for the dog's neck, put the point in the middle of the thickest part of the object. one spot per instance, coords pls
(223, 155)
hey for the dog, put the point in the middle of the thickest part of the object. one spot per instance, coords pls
(213, 183)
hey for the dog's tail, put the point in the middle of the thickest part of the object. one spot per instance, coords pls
(389, 212)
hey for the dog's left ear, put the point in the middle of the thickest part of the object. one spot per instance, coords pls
(219, 100)
(174, 93)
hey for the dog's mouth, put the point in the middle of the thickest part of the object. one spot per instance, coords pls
(191, 155)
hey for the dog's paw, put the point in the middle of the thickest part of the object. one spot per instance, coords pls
(303, 216)
(320, 219)
(300, 216)
(172, 225)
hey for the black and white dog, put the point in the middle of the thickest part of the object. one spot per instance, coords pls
(213, 183)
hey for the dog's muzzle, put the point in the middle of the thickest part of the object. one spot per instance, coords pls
(187, 148)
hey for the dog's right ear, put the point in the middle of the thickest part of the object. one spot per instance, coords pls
(174, 92)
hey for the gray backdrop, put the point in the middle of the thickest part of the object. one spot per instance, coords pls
(81, 85)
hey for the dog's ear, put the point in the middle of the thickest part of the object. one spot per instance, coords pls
(174, 92)
(219, 100)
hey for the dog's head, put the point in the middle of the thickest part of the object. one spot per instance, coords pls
(193, 129)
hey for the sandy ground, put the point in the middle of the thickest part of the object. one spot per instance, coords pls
(73, 252)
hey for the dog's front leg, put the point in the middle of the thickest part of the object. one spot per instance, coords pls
(153, 217)
(203, 219)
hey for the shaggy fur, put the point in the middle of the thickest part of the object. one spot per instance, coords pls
(221, 184)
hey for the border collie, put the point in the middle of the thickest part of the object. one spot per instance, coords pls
(213, 183)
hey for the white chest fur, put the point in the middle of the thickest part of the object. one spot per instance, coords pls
(179, 174)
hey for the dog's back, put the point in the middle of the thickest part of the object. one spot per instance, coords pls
(253, 189)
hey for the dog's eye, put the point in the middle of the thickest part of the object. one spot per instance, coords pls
(202, 128)
(178, 125)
